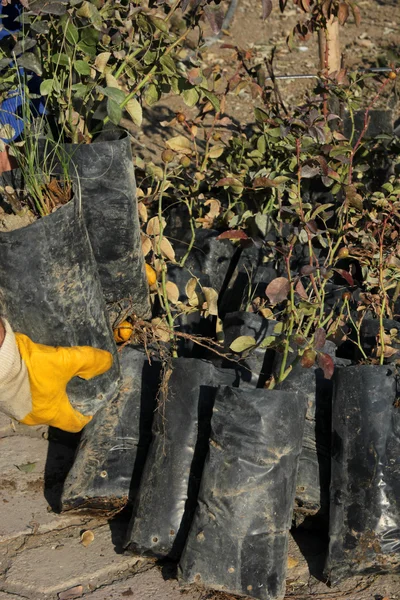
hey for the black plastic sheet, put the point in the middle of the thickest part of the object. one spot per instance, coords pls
(365, 486)
(113, 448)
(239, 537)
(167, 496)
(314, 473)
(107, 179)
(51, 292)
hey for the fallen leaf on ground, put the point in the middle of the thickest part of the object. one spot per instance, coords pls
(27, 467)
(87, 538)
(74, 592)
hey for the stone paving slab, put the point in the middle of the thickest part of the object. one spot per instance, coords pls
(63, 562)
(11, 428)
(149, 585)
(23, 507)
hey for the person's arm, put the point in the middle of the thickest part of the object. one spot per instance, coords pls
(33, 379)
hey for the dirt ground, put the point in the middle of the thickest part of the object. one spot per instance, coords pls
(375, 43)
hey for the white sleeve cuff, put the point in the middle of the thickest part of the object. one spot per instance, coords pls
(15, 393)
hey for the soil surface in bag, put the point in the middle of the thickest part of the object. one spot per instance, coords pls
(239, 536)
(256, 367)
(168, 490)
(113, 447)
(365, 486)
(107, 178)
(314, 473)
(51, 292)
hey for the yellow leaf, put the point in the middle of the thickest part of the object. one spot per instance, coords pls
(180, 144)
(133, 107)
(172, 292)
(216, 151)
(242, 343)
(112, 82)
(101, 61)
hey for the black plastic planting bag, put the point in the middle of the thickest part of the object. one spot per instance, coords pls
(239, 537)
(113, 447)
(314, 473)
(365, 486)
(107, 178)
(208, 255)
(247, 278)
(171, 477)
(190, 323)
(51, 292)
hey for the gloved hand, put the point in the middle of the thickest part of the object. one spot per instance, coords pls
(33, 380)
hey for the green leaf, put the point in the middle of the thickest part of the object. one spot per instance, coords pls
(268, 341)
(212, 98)
(152, 94)
(30, 62)
(80, 90)
(190, 97)
(72, 34)
(134, 110)
(114, 94)
(159, 23)
(242, 343)
(82, 67)
(46, 87)
(274, 132)
(87, 49)
(89, 11)
(60, 59)
(114, 111)
(168, 64)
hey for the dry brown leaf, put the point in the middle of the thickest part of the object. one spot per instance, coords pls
(101, 61)
(388, 351)
(266, 313)
(160, 329)
(87, 538)
(180, 144)
(191, 287)
(153, 226)
(211, 297)
(292, 562)
(146, 244)
(167, 250)
(142, 210)
(172, 292)
(74, 592)
(112, 81)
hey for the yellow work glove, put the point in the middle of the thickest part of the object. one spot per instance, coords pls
(38, 377)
